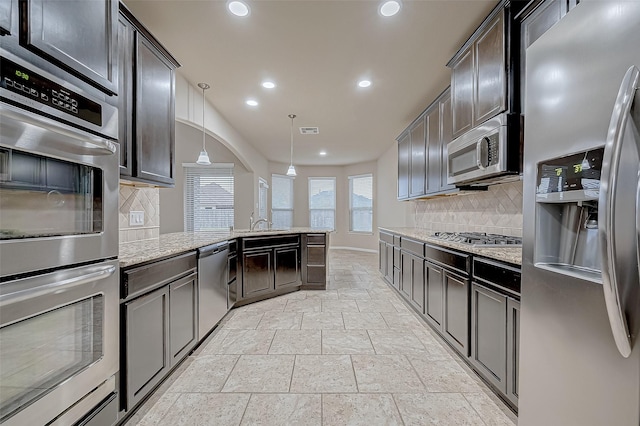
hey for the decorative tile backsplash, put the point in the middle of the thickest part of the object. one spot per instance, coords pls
(496, 211)
(142, 199)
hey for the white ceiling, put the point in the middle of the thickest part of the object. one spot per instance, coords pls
(316, 52)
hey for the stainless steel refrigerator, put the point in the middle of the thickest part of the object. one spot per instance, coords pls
(579, 351)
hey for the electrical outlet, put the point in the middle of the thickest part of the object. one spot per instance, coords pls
(136, 218)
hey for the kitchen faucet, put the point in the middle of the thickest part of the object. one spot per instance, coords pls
(252, 223)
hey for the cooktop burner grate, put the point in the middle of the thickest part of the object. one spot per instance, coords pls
(479, 239)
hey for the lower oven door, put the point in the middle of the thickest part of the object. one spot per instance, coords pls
(58, 341)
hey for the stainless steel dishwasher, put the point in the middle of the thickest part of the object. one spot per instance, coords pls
(212, 286)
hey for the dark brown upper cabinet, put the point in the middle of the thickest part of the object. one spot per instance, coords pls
(77, 35)
(147, 105)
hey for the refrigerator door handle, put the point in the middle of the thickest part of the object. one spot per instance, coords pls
(606, 210)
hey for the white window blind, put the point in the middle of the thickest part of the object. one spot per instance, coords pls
(208, 197)
(282, 201)
(361, 203)
(322, 203)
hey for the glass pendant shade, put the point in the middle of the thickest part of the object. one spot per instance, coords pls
(203, 159)
(291, 171)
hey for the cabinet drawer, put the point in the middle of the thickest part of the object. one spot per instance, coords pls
(497, 274)
(316, 239)
(315, 255)
(386, 237)
(316, 274)
(260, 243)
(415, 247)
(143, 278)
(459, 262)
(396, 240)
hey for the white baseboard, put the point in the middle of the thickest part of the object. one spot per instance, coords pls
(352, 248)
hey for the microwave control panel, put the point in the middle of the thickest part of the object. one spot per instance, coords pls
(21, 80)
(571, 173)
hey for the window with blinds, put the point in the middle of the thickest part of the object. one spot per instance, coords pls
(361, 203)
(282, 201)
(208, 197)
(322, 203)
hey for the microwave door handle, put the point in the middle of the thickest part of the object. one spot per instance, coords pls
(91, 144)
(479, 155)
(606, 210)
(60, 281)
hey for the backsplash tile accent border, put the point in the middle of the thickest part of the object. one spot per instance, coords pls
(497, 210)
(144, 199)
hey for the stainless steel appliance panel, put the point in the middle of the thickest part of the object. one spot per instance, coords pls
(58, 341)
(571, 370)
(212, 286)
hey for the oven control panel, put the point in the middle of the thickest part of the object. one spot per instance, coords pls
(18, 79)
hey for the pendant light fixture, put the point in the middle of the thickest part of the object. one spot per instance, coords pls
(292, 170)
(203, 158)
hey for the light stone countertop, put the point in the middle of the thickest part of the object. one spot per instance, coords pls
(506, 254)
(167, 245)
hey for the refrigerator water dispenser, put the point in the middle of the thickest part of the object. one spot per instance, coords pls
(567, 194)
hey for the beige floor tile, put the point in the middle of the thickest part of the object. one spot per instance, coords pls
(305, 305)
(354, 294)
(443, 376)
(296, 342)
(387, 342)
(359, 409)
(261, 373)
(242, 342)
(280, 321)
(294, 295)
(385, 373)
(364, 321)
(364, 285)
(346, 342)
(403, 321)
(381, 293)
(283, 410)
(322, 321)
(322, 374)
(436, 350)
(275, 304)
(243, 320)
(335, 285)
(205, 374)
(159, 410)
(436, 409)
(322, 294)
(339, 306)
(375, 306)
(204, 409)
(488, 410)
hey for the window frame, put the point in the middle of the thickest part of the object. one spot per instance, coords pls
(320, 178)
(190, 227)
(291, 180)
(351, 208)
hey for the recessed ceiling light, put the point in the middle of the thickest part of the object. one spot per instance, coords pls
(323, 153)
(268, 84)
(252, 102)
(389, 8)
(238, 8)
(364, 83)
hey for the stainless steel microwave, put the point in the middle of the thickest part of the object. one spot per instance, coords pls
(489, 153)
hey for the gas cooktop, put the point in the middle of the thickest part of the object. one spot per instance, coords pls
(479, 239)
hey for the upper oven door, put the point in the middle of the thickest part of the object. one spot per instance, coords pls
(479, 153)
(58, 340)
(58, 194)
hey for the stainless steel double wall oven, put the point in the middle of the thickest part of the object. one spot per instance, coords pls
(59, 275)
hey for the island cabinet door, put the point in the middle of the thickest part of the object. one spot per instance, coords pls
(257, 273)
(287, 266)
(183, 305)
(146, 352)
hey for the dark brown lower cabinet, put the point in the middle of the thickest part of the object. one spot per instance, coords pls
(287, 266)
(456, 311)
(183, 302)
(513, 349)
(257, 273)
(434, 289)
(405, 277)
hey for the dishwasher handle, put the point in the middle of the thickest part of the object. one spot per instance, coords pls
(212, 249)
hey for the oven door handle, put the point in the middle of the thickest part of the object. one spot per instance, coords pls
(24, 289)
(91, 144)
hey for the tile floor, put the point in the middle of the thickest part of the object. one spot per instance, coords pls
(354, 354)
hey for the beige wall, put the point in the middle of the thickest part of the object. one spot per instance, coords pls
(390, 211)
(341, 237)
(188, 146)
(496, 211)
